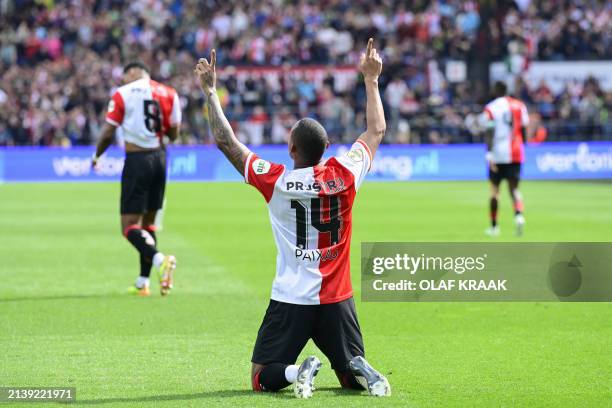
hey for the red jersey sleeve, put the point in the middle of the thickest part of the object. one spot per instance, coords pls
(116, 110)
(262, 175)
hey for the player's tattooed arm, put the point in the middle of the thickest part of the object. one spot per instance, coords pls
(225, 138)
(370, 66)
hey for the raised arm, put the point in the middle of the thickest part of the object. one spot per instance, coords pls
(225, 139)
(370, 66)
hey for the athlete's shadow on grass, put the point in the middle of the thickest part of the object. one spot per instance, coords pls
(205, 395)
(169, 397)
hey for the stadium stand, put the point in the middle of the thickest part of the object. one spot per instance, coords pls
(60, 60)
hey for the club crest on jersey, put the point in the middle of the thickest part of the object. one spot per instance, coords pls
(261, 166)
(355, 155)
(111, 106)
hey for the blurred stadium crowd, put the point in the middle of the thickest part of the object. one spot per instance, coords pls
(60, 60)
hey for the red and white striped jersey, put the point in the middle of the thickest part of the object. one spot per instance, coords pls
(311, 215)
(145, 110)
(508, 115)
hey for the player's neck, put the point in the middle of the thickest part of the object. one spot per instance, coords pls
(302, 165)
(144, 76)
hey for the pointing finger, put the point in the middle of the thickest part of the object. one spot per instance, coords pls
(213, 58)
(369, 48)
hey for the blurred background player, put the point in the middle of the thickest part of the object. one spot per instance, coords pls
(146, 111)
(310, 209)
(506, 120)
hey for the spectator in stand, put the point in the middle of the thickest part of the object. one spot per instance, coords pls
(58, 61)
(394, 95)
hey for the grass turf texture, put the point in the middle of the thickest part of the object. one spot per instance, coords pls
(65, 319)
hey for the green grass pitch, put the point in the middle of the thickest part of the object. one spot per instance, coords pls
(65, 319)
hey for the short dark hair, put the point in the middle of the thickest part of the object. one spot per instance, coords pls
(310, 140)
(136, 64)
(500, 89)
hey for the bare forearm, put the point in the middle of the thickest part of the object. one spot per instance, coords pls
(106, 139)
(489, 139)
(375, 116)
(223, 134)
(173, 132)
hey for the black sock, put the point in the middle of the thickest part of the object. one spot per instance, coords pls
(272, 377)
(142, 241)
(147, 263)
(493, 211)
(347, 380)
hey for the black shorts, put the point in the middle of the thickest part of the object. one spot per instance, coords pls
(143, 182)
(508, 171)
(286, 328)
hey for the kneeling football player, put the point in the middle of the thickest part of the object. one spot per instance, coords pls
(310, 209)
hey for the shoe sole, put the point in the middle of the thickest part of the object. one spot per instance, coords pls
(380, 388)
(139, 293)
(305, 390)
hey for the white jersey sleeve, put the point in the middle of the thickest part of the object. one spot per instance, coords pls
(176, 113)
(524, 115)
(358, 161)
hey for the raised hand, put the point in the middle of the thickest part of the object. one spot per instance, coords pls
(370, 63)
(206, 73)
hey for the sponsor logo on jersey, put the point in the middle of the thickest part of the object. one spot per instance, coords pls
(111, 106)
(328, 187)
(261, 166)
(355, 155)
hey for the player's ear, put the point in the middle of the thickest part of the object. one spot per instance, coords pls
(292, 148)
(327, 144)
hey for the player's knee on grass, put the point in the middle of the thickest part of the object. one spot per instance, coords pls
(270, 377)
(348, 380)
(255, 370)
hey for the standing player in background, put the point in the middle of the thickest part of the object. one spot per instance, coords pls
(506, 120)
(146, 111)
(310, 208)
